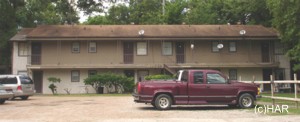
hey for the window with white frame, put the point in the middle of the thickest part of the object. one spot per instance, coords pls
(75, 76)
(92, 47)
(215, 46)
(232, 46)
(167, 48)
(141, 48)
(232, 74)
(75, 47)
(22, 49)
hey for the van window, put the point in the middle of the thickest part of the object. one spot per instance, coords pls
(8, 80)
(25, 80)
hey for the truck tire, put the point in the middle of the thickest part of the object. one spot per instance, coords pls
(246, 100)
(163, 102)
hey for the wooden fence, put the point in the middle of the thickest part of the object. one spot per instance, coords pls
(273, 82)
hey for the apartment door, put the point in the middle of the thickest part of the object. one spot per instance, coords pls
(36, 51)
(265, 52)
(142, 74)
(129, 73)
(128, 52)
(266, 77)
(38, 81)
(180, 52)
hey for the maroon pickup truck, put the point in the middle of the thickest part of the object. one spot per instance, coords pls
(196, 87)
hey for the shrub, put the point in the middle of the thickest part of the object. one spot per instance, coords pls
(158, 77)
(52, 86)
(116, 83)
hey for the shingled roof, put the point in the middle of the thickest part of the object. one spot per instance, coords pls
(151, 32)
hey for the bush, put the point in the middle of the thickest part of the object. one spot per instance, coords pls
(158, 77)
(112, 82)
(52, 86)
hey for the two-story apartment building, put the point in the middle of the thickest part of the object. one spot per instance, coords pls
(73, 52)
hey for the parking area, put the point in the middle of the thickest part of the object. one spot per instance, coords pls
(122, 108)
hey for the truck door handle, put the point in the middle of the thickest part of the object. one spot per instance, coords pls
(207, 86)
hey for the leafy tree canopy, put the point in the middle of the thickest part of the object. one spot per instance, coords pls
(286, 16)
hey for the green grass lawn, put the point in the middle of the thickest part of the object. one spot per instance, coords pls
(292, 105)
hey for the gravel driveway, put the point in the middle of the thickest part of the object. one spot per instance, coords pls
(123, 109)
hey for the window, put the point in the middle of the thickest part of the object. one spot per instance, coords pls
(279, 48)
(75, 76)
(232, 74)
(198, 77)
(75, 47)
(92, 47)
(232, 46)
(167, 48)
(141, 48)
(91, 73)
(25, 80)
(215, 46)
(22, 49)
(8, 80)
(214, 78)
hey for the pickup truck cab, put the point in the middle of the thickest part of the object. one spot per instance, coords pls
(196, 87)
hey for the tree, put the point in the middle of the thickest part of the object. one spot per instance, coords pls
(146, 11)
(175, 11)
(89, 6)
(228, 11)
(8, 27)
(286, 16)
(52, 85)
(98, 20)
(118, 15)
(46, 12)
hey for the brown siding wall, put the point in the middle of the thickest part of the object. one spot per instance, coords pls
(111, 52)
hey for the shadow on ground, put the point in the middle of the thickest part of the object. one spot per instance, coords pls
(193, 108)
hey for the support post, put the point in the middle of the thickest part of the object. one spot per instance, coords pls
(253, 79)
(295, 85)
(296, 89)
(272, 89)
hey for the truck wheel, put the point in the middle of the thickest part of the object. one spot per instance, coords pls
(163, 102)
(246, 101)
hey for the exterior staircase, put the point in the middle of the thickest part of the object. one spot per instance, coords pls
(172, 71)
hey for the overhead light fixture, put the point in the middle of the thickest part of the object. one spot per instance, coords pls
(242, 32)
(220, 46)
(141, 32)
(192, 46)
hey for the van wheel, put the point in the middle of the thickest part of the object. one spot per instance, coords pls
(163, 102)
(2, 101)
(24, 97)
(246, 101)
